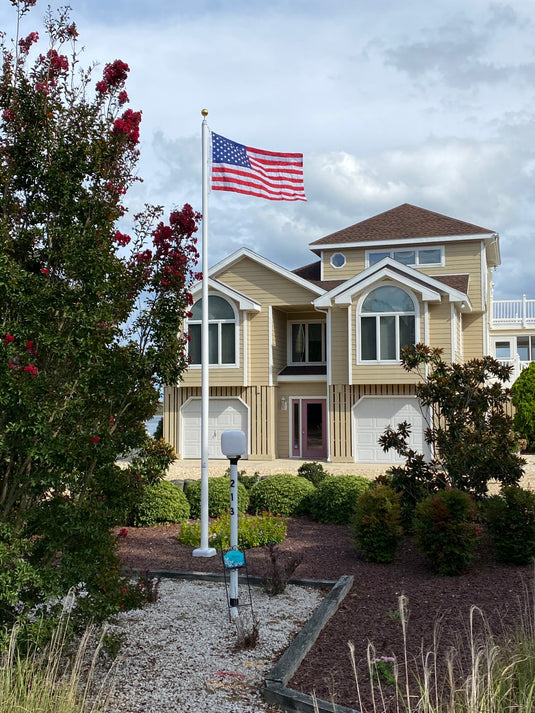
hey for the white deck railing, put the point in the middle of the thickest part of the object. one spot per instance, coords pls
(514, 312)
(517, 365)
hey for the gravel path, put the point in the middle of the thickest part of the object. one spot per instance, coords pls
(178, 653)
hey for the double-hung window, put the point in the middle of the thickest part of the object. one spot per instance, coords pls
(387, 322)
(307, 343)
(221, 332)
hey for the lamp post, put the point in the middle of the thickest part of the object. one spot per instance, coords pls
(233, 446)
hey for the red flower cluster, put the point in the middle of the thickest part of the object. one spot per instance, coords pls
(94, 439)
(121, 239)
(26, 42)
(128, 124)
(8, 115)
(143, 258)
(115, 73)
(32, 370)
(30, 348)
(45, 271)
(58, 62)
(9, 338)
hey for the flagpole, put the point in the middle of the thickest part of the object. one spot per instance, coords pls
(204, 550)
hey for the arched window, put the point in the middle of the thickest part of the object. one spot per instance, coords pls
(387, 323)
(221, 332)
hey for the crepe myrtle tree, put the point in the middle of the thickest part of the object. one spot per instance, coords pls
(91, 315)
(469, 429)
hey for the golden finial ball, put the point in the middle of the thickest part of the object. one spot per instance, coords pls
(204, 112)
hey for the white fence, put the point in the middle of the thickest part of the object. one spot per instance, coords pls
(515, 312)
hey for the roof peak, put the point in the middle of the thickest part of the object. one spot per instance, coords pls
(404, 222)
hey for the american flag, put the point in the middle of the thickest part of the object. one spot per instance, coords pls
(266, 174)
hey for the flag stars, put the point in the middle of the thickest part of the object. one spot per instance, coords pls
(226, 151)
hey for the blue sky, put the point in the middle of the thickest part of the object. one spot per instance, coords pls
(430, 103)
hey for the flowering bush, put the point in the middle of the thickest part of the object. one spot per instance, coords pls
(92, 311)
(253, 531)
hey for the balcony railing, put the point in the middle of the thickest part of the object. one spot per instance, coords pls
(517, 365)
(515, 312)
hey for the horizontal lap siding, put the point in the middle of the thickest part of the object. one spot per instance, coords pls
(259, 399)
(440, 327)
(355, 263)
(463, 258)
(339, 346)
(473, 341)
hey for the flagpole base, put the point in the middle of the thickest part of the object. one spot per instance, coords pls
(204, 552)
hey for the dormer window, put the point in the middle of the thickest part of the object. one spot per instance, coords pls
(338, 260)
(413, 257)
(387, 322)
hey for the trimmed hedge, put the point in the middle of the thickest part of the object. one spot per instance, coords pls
(282, 494)
(510, 521)
(218, 497)
(335, 498)
(377, 524)
(162, 502)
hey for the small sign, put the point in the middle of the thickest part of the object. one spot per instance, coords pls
(233, 559)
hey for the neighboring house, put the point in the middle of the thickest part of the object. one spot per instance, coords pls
(306, 362)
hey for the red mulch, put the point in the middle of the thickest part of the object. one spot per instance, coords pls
(368, 613)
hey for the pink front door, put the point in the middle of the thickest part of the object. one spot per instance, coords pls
(309, 428)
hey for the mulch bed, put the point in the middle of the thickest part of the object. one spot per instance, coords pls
(369, 612)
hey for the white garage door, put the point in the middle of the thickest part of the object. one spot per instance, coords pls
(372, 416)
(224, 415)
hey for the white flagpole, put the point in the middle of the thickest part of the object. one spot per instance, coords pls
(204, 550)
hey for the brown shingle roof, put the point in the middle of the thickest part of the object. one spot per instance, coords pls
(458, 282)
(402, 223)
(312, 272)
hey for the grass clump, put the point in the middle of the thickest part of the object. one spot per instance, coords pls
(284, 494)
(335, 498)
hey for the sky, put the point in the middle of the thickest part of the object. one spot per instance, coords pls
(390, 102)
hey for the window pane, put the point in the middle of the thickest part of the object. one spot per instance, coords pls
(219, 308)
(194, 348)
(228, 344)
(213, 356)
(407, 334)
(388, 338)
(407, 257)
(196, 310)
(503, 350)
(522, 347)
(368, 335)
(315, 333)
(298, 342)
(428, 256)
(374, 258)
(388, 299)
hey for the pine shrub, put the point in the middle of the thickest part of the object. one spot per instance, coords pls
(376, 525)
(218, 497)
(445, 530)
(510, 521)
(335, 498)
(282, 494)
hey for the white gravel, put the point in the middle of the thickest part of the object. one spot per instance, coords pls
(179, 652)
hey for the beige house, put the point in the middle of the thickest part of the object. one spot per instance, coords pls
(306, 362)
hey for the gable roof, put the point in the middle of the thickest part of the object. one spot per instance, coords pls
(242, 253)
(406, 222)
(429, 288)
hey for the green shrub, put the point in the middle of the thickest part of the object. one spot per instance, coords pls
(445, 530)
(523, 398)
(253, 531)
(313, 472)
(376, 525)
(218, 497)
(248, 480)
(162, 502)
(283, 494)
(335, 498)
(510, 520)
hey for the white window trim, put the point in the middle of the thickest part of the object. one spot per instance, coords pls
(231, 365)
(337, 267)
(416, 250)
(358, 315)
(289, 361)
